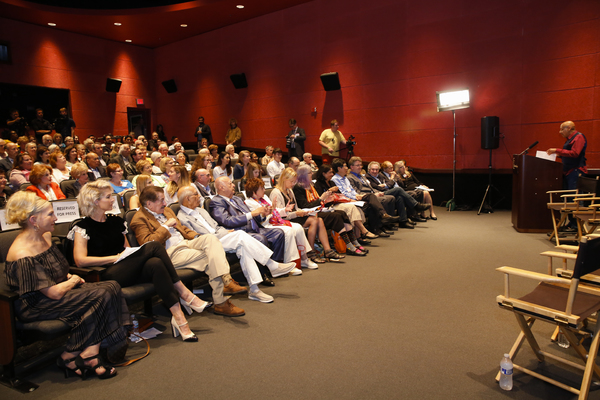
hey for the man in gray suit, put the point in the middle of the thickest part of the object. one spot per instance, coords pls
(248, 249)
(202, 181)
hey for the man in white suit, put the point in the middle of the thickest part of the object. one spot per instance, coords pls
(248, 249)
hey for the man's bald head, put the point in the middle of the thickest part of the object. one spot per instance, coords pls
(566, 128)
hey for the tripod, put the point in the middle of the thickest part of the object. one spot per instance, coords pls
(489, 208)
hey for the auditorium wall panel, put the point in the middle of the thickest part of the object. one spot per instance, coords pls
(534, 64)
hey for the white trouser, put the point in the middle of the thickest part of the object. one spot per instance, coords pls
(248, 250)
(295, 240)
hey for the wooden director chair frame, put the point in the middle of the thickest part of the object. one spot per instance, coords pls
(561, 301)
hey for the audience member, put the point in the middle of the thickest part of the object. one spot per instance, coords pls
(240, 168)
(202, 182)
(178, 177)
(7, 163)
(131, 168)
(31, 149)
(46, 140)
(247, 248)
(223, 167)
(154, 222)
(268, 157)
(295, 239)
(96, 170)
(283, 198)
(79, 172)
(141, 182)
(308, 160)
(42, 155)
(57, 139)
(115, 173)
(123, 159)
(99, 239)
(5, 191)
(410, 183)
(58, 162)
(230, 149)
(42, 185)
(294, 163)
(355, 214)
(145, 168)
(20, 173)
(37, 270)
(156, 158)
(71, 155)
(39, 125)
(165, 165)
(17, 124)
(276, 167)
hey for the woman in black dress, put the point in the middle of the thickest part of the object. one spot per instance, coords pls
(39, 273)
(99, 240)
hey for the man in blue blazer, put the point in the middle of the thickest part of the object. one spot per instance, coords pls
(232, 213)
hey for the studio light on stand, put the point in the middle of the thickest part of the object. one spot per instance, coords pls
(452, 100)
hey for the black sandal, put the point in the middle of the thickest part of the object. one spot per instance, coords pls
(62, 364)
(85, 368)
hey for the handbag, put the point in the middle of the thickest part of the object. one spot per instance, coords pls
(338, 242)
(340, 198)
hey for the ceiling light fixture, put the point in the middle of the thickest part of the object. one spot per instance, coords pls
(51, 24)
(128, 40)
(183, 25)
(117, 24)
(240, 6)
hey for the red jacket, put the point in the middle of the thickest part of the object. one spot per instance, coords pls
(53, 185)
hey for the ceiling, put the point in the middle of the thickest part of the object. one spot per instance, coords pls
(145, 26)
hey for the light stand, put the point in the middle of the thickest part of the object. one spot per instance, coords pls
(451, 100)
(490, 208)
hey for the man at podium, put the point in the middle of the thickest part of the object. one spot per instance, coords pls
(572, 154)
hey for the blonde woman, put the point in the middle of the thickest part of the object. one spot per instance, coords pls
(140, 183)
(178, 177)
(144, 167)
(282, 198)
(99, 239)
(37, 270)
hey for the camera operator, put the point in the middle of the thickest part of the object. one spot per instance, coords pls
(330, 141)
(17, 124)
(63, 124)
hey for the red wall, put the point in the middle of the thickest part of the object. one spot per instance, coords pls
(53, 58)
(533, 63)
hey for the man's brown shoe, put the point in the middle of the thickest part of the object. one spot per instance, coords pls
(234, 288)
(228, 309)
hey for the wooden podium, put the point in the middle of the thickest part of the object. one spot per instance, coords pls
(532, 178)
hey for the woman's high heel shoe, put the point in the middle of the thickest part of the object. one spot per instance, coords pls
(62, 364)
(189, 306)
(176, 332)
(107, 374)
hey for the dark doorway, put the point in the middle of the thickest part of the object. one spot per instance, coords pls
(139, 122)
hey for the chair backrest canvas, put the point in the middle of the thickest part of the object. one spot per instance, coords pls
(588, 257)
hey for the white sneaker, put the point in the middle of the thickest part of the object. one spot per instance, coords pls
(260, 296)
(308, 263)
(296, 271)
(283, 269)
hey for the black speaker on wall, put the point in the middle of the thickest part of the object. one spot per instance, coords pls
(170, 86)
(490, 133)
(330, 81)
(239, 80)
(113, 85)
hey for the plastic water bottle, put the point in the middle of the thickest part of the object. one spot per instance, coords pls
(136, 329)
(562, 341)
(506, 373)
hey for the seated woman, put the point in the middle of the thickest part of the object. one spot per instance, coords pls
(282, 198)
(60, 171)
(308, 197)
(42, 185)
(140, 183)
(223, 167)
(242, 166)
(203, 161)
(21, 170)
(230, 149)
(182, 159)
(156, 158)
(179, 177)
(39, 273)
(144, 167)
(324, 184)
(71, 155)
(253, 171)
(57, 139)
(115, 173)
(165, 165)
(79, 173)
(99, 240)
(409, 182)
(295, 239)
(5, 192)
(42, 156)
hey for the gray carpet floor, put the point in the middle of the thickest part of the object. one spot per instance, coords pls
(416, 318)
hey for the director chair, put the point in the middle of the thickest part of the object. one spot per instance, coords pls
(563, 302)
